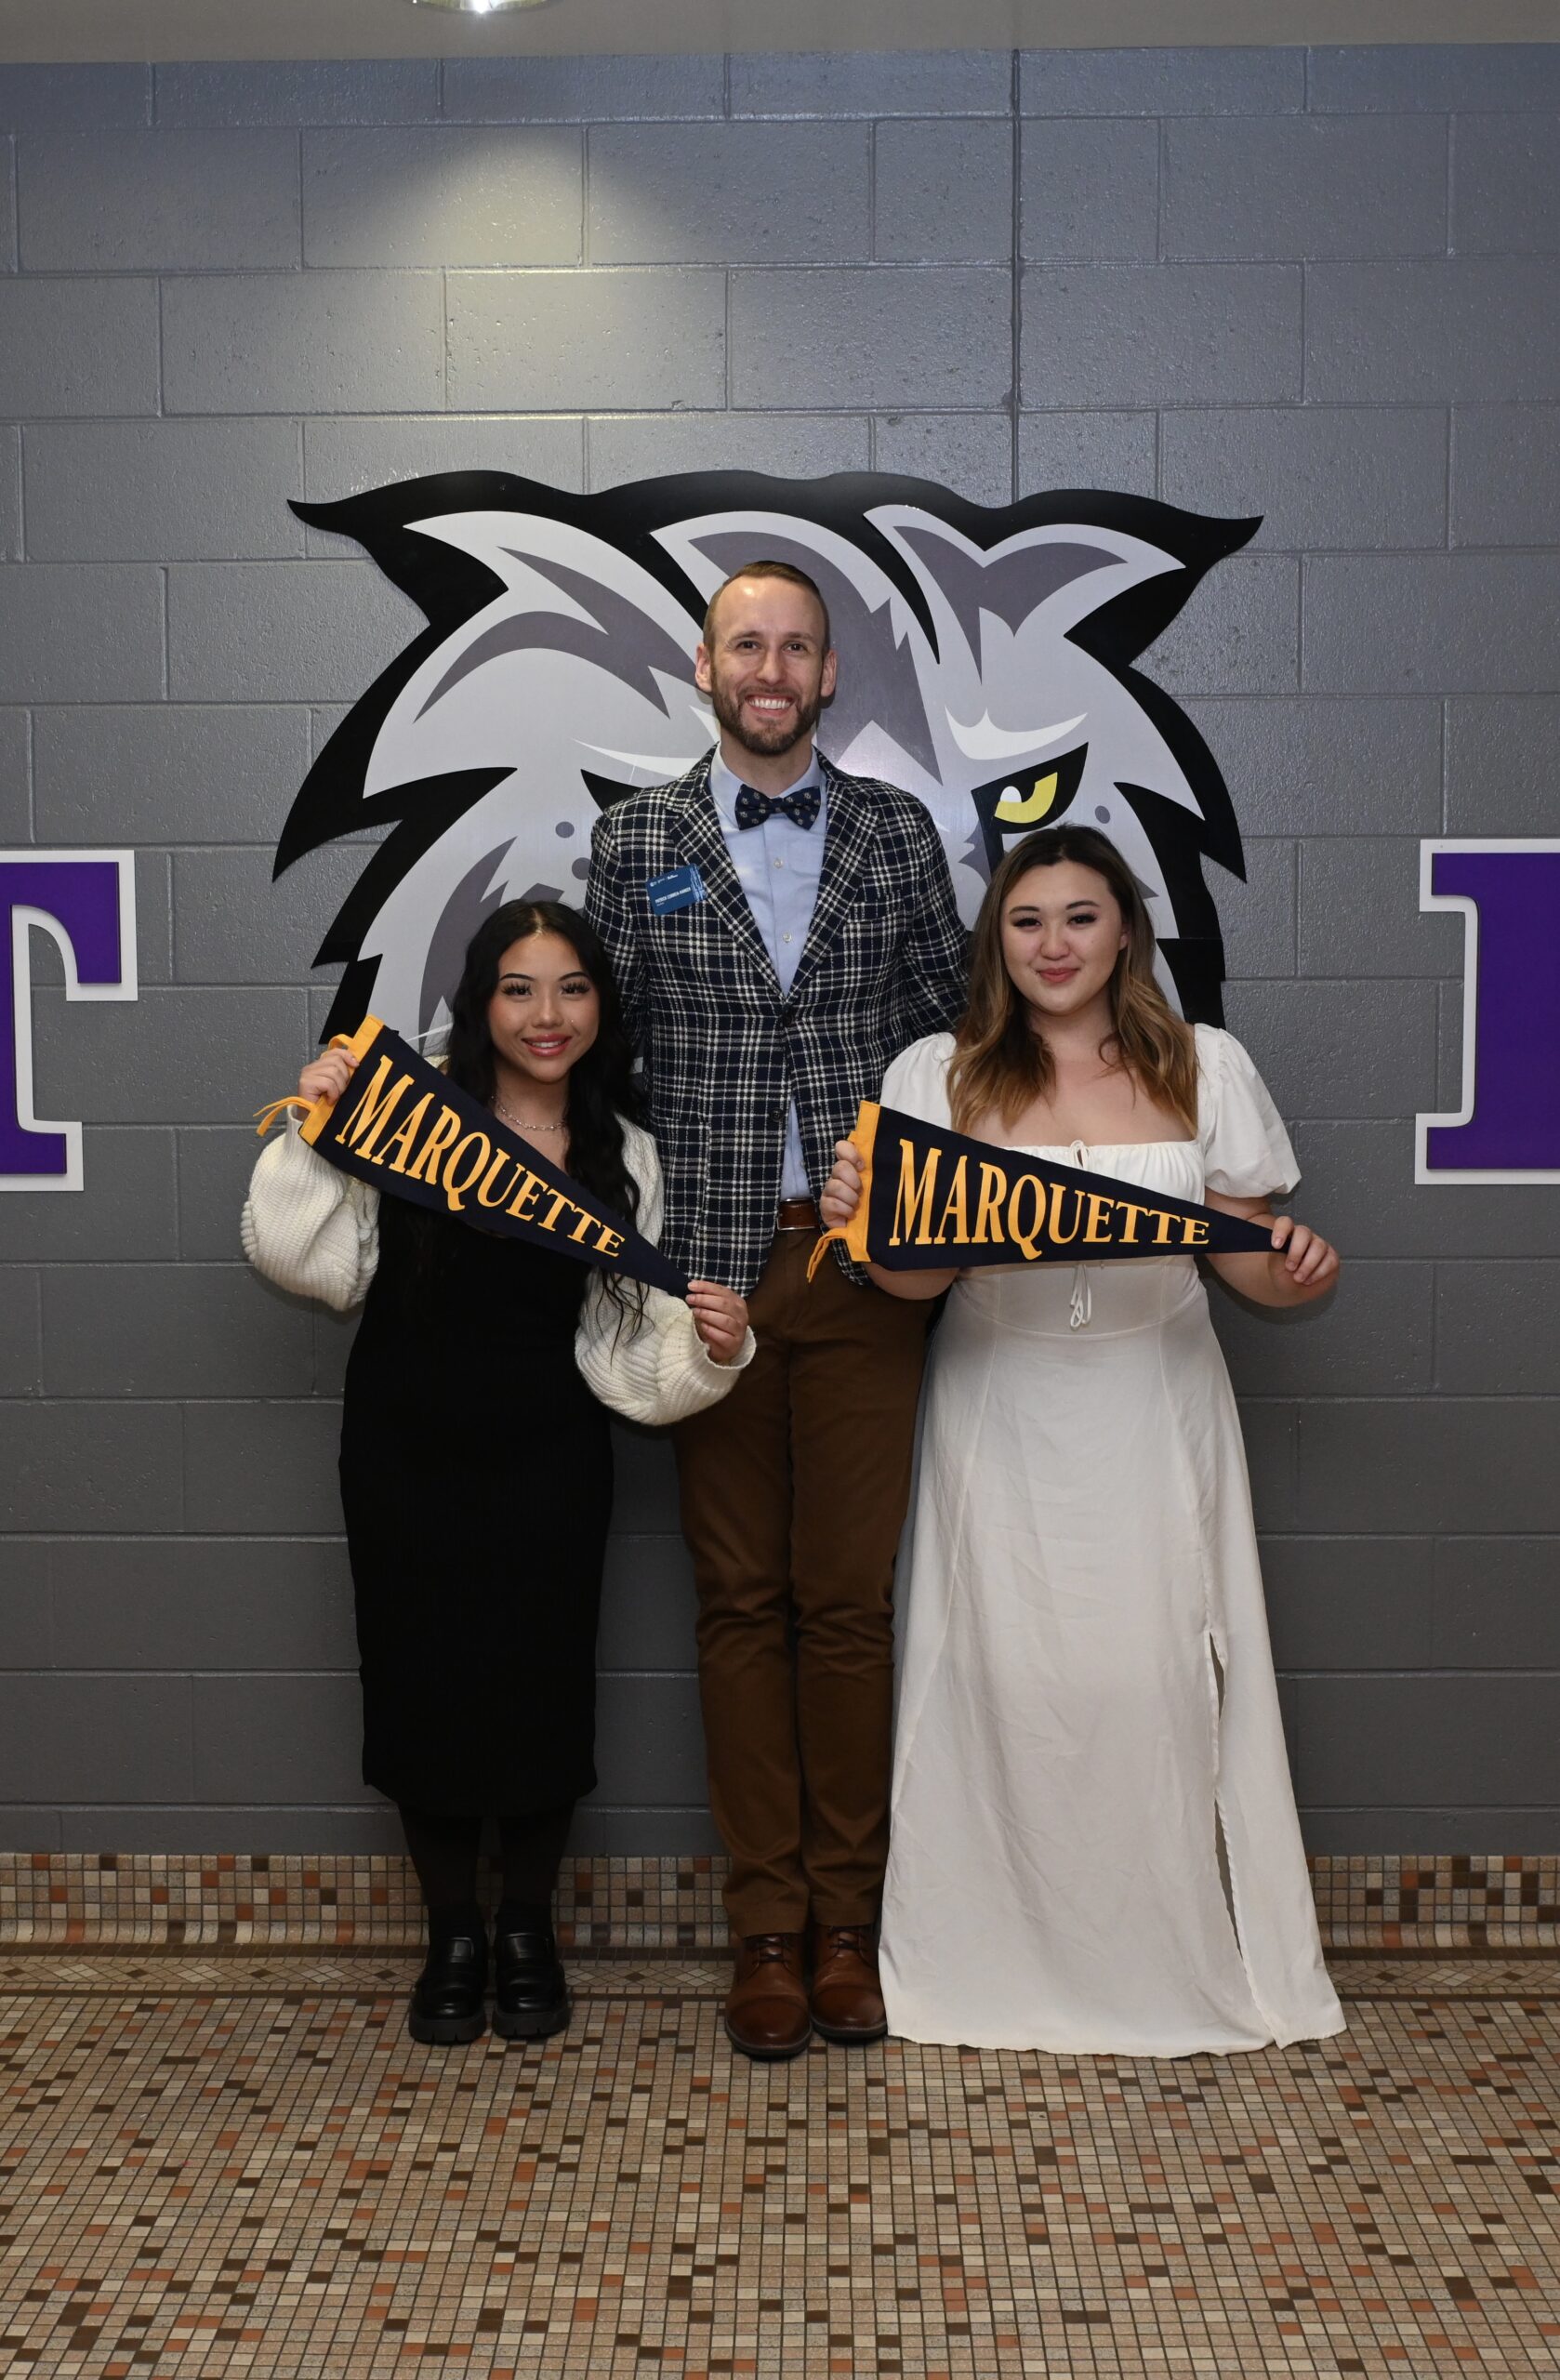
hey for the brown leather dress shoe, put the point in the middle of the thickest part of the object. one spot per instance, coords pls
(766, 2009)
(847, 1997)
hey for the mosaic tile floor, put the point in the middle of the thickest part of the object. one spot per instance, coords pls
(239, 2164)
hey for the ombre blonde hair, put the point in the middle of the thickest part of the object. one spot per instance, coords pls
(1001, 1063)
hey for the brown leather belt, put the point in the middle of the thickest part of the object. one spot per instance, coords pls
(797, 1215)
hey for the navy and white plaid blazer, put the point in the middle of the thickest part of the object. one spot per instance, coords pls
(724, 1050)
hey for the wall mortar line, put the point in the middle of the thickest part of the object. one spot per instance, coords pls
(1016, 395)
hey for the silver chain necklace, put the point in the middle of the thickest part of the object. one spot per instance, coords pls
(520, 1122)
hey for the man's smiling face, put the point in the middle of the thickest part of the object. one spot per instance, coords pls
(766, 673)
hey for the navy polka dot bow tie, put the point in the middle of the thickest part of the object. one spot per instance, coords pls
(753, 808)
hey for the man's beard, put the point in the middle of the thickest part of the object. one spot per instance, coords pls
(763, 741)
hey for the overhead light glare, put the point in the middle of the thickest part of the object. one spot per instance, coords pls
(481, 7)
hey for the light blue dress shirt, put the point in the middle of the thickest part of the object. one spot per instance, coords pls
(777, 866)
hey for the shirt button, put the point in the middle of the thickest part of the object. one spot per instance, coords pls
(784, 937)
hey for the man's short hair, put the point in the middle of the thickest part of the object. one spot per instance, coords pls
(765, 569)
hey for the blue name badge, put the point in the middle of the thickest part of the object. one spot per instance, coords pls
(678, 890)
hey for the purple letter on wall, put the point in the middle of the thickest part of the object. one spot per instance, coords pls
(1508, 1127)
(87, 900)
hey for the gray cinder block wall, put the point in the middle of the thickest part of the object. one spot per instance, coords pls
(1324, 288)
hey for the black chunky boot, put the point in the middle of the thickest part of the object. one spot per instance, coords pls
(531, 1995)
(447, 1996)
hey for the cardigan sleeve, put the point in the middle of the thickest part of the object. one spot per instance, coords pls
(310, 1227)
(656, 1370)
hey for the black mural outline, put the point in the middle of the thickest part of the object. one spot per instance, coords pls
(449, 587)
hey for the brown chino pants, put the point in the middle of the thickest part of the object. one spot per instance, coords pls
(793, 1491)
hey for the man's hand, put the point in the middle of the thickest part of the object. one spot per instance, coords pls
(720, 1317)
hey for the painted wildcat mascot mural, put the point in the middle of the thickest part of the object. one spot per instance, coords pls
(987, 666)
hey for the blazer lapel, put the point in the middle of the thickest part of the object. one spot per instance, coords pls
(700, 839)
(849, 831)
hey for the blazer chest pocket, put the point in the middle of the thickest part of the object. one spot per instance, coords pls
(680, 924)
(870, 930)
(676, 911)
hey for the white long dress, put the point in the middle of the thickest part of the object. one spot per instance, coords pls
(1094, 1846)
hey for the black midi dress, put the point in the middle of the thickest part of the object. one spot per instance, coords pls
(476, 1483)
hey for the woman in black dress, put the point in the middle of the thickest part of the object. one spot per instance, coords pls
(476, 1466)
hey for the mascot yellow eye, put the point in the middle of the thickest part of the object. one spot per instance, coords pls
(1018, 809)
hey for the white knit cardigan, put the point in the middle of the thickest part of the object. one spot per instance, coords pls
(313, 1230)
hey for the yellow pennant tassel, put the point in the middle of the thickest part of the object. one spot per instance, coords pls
(313, 1116)
(864, 1133)
(278, 1107)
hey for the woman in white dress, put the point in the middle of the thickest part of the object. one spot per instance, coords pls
(1095, 1845)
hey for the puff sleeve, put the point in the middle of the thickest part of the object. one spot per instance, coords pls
(660, 1371)
(916, 1081)
(310, 1227)
(1246, 1150)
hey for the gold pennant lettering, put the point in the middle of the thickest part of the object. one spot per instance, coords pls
(913, 1203)
(404, 1136)
(1059, 1192)
(988, 1206)
(425, 1165)
(455, 1191)
(1029, 1240)
(954, 1208)
(373, 1106)
(1131, 1211)
(1099, 1208)
(485, 1184)
(525, 1198)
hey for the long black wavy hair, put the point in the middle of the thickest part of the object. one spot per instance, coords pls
(601, 1091)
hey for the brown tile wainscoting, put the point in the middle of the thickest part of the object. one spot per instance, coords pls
(1471, 1903)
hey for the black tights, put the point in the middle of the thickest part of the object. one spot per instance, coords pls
(444, 1848)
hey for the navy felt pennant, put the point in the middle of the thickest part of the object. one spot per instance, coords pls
(933, 1199)
(403, 1127)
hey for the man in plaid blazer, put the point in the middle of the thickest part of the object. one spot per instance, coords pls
(779, 932)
